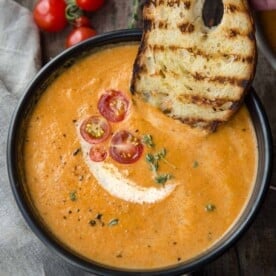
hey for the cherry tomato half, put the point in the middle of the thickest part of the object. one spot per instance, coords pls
(82, 21)
(95, 129)
(125, 148)
(79, 34)
(97, 153)
(49, 15)
(113, 105)
(90, 5)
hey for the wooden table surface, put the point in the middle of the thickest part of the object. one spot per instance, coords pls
(255, 253)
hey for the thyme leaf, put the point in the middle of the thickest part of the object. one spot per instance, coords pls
(147, 140)
(150, 158)
(162, 178)
(153, 164)
(210, 207)
(154, 158)
(196, 164)
(161, 154)
(73, 196)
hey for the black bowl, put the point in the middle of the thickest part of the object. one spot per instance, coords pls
(16, 174)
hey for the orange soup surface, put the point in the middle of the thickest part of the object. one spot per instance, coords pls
(204, 180)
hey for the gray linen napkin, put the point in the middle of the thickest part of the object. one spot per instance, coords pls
(21, 253)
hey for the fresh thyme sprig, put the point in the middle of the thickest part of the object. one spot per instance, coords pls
(153, 160)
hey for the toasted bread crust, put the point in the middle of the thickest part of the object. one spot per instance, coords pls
(193, 73)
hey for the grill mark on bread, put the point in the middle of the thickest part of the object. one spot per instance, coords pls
(216, 104)
(249, 59)
(169, 3)
(204, 124)
(231, 8)
(233, 33)
(221, 79)
(172, 3)
(162, 25)
(234, 81)
(147, 25)
(186, 27)
(198, 52)
(150, 25)
(187, 5)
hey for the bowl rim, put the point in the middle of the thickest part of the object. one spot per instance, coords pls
(128, 35)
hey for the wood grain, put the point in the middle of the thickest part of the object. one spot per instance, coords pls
(255, 253)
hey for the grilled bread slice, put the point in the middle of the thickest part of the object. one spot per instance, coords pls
(195, 73)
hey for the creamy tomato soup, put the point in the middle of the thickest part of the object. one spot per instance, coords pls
(120, 183)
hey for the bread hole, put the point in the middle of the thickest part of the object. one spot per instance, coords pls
(212, 12)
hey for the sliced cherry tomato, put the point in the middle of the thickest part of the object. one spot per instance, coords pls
(97, 153)
(79, 34)
(125, 148)
(95, 129)
(82, 21)
(49, 15)
(90, 5)
(113, 105)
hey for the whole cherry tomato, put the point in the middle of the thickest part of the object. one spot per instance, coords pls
(79, 34)
(90, 5)
(49, 15)
(82, 21)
